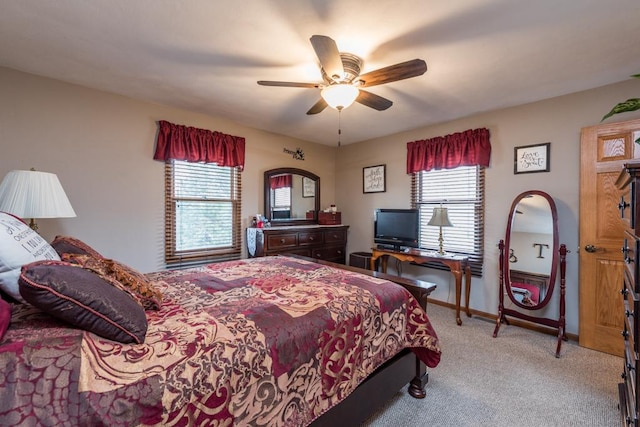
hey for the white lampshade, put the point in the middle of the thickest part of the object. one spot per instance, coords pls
(440, 218)
(34, 194)
(340, 96)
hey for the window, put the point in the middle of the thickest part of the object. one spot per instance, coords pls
(281, 208)
(461, 191)
(281, 199)
(202, 213)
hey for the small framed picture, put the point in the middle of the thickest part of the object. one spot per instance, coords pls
(308, 187)
(531, 158)
(373, 179)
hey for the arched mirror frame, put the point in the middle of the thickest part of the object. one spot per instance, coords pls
(267, 195)
(554, 250)
(559, 253)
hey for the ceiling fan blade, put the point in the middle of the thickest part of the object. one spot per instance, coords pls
(318, 107)
(329, 56)
(288, 84)
(392, 73)
(372, 100)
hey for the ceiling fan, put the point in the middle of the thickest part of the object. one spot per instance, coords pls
(342, 79)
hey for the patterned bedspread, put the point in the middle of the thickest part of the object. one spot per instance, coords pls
(272, 341)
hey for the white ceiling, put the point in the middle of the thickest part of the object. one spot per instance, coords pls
(206, 55)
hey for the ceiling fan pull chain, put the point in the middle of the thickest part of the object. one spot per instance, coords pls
(339, 125)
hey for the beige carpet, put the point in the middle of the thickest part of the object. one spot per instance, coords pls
(512, 380)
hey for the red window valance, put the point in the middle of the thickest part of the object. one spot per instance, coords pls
(281, 181)
(180, 142)
(468, 148)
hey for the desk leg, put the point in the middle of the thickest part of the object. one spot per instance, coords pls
(467, 282)
(458, 276)
(383, 263)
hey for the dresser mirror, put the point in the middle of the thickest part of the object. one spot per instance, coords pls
(530, 257)
(291, 196)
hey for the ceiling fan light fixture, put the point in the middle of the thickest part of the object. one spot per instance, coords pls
(341, 78)
(339, 96)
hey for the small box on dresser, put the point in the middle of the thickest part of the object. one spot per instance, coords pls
(629, 206)
(329, 218)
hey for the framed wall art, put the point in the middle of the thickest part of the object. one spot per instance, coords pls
(308, 187)
(531, 158)
(373, 179)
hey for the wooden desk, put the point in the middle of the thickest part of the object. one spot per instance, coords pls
(456, 263)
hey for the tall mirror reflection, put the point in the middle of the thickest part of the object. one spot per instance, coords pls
(532, 246)
(530, 256)
(292, 196)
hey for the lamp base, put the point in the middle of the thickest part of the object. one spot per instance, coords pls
(33, 225)
(441, 240)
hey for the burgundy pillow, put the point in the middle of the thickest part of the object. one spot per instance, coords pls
(5, 317)
(71, 245)
(83, 299)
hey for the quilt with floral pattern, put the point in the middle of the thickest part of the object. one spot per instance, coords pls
(273, 341)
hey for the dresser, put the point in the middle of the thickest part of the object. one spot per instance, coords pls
(629, 206)
(324, 242)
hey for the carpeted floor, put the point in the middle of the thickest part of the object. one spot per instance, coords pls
(512, 380)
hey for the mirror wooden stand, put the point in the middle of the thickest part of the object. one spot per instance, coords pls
(528, 274)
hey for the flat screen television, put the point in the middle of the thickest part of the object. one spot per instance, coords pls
(396, 228)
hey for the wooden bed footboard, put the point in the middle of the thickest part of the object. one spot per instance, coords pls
(405, 368)
(374, 392)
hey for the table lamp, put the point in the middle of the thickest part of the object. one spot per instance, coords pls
(440, 219)
(34, 194)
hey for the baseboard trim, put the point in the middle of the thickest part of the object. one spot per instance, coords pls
(515, 322)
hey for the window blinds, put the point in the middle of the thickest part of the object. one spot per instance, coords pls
(461, 191)
(202, 213)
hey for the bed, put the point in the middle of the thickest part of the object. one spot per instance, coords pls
(277, 341)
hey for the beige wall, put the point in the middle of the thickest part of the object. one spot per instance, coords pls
(558, 120)
(101, 147)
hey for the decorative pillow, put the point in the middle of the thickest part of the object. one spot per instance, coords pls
(71, 245)
(19, 245)
(122, 277)
(533, 290)
(5, 317)
(83, 299)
